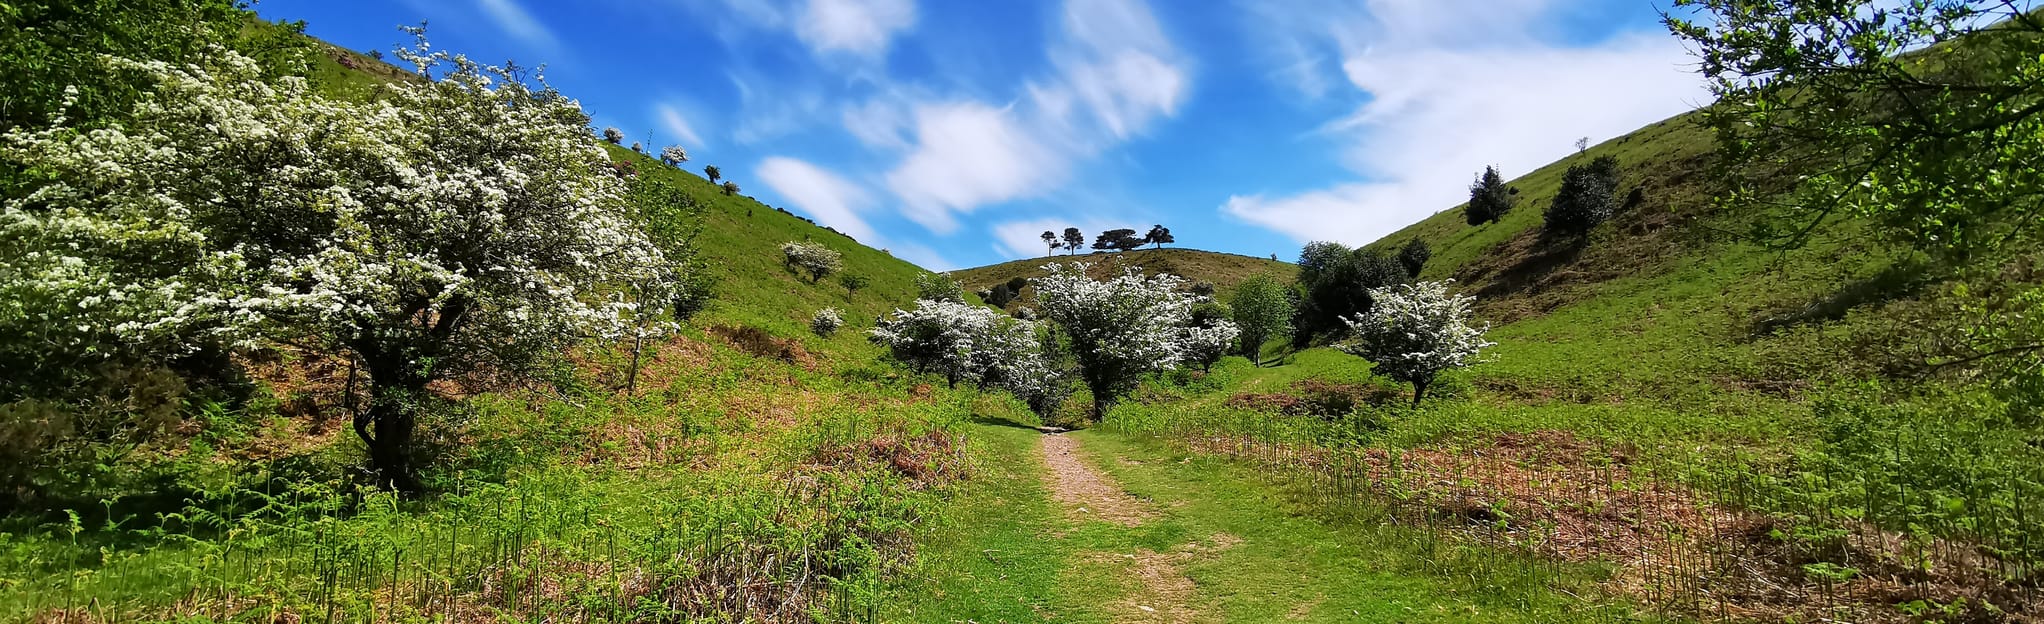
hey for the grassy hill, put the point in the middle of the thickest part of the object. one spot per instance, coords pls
(1223, 270)
(1674, 424)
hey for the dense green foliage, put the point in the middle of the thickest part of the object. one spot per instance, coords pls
(1587, 197)
(1489, 198)
(1335, 283)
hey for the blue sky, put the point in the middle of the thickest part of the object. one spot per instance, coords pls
(954, 133)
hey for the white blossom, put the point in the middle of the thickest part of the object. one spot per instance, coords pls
(1415, 331)
(1206, 345)
(826, 322)
(961, 341)
(450, 225)
(673, 155)
(817, 260)
(1118, 329)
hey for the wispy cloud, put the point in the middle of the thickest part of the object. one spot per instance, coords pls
(968, 154)
(831, 200)
(1114, 74)
(1447, 97)
(676, 124)
(860, 27)
(514, 20)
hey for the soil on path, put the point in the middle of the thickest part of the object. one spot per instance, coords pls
(1165, 594)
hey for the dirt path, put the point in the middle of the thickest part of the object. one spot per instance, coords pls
(1085, 492)
(1164, 594)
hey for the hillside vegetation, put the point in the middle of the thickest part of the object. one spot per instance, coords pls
(1648, 410)
(1223, 270)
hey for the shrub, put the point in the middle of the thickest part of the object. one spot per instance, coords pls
(938, 288)
(730, 188)
(812, 258)
(998, 296)
(1337, 282)
(1413, 256)
(1489, 198)
(614, 136)
(1586, 197)
(1204, 345)
(1416, 331)
(826, 322)
(958, 340)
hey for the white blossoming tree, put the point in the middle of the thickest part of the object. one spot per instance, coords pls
(1206, 345)
(957, 340)
(673, 155)
(1415, 331)
(1119, 329)
(826, 322)
(458, 227)
(812, 258)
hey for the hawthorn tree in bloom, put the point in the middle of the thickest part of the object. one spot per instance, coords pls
(673, 155)
(1118, 329)
(826, 322)
(455, 228)
(1204, 345)
(1414, 332)
(614, 136)
(816, 260)
(955, 339)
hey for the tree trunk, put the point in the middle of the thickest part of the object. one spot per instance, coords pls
(1419, 391)
(388, 427)
(632, 377)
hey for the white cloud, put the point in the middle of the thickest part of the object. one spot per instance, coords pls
(518, 23)
(677, 125)
(862, 27)
(1444, 103)
(1115, 73)
(878, 123)
(1024, 239)
(831, 200)
(968, 154)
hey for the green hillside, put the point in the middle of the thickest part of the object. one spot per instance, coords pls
(1674, 423)
(1223, 270)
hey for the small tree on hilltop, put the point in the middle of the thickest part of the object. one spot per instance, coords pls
(614, 136)
(1074, 240)
(1263, 310)
(1050, 241)
(713, 173)
(1118, 330)
(673, 155)
(730, 188)
(1489, 198)
(1586, 198)
(1123, 239)
(852, 283)
(815, 259)
(1413, 256)
(1414, 332)
(1160, 235)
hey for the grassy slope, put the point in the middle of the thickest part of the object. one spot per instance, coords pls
(741, 241)
(1222, 269)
